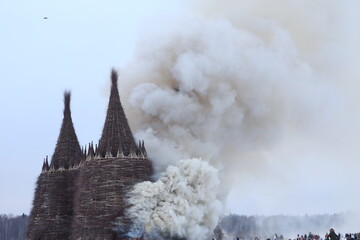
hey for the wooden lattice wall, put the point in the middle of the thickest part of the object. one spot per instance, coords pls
(100, 199)
(52, 212)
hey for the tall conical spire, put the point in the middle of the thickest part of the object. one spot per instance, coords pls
(116, 135)
(67, 151)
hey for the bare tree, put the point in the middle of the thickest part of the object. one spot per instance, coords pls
(13, 227)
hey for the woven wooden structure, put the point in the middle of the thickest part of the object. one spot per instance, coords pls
(116, 136)
(51, 216)
(67, 151)
(82, 193)
(108, 174)
(103, 183)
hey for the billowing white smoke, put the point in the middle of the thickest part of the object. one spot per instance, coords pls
(183, 202)
(252, 87)
(210, 89)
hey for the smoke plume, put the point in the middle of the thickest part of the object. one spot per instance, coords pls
(256, 88)
(183, 202)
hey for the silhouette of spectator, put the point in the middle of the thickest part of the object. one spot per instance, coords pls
(333, 235)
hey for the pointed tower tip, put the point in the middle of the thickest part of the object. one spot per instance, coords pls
(67, 97)
(116, 132)
(114, 76)
(67, 151)
(43, 166)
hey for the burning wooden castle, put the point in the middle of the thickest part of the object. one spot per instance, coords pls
(82, 192)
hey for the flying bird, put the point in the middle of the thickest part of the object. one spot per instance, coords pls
(45, 18)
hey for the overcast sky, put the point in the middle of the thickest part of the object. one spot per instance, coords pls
(80, 41)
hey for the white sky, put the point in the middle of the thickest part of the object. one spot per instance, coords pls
(74, 48)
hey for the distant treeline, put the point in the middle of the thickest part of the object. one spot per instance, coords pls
(13, 227)
(289, 226)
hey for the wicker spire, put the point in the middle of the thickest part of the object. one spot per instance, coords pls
(116, 136)
(67, 151)
(43, 166)
(47, 164)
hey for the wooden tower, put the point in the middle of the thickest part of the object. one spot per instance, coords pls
(52, 211)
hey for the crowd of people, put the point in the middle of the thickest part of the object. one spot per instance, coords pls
(331, 235)
(352, 236)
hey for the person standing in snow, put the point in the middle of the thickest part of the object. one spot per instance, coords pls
(333, 235)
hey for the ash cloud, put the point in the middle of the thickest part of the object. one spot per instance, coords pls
(259, 90)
